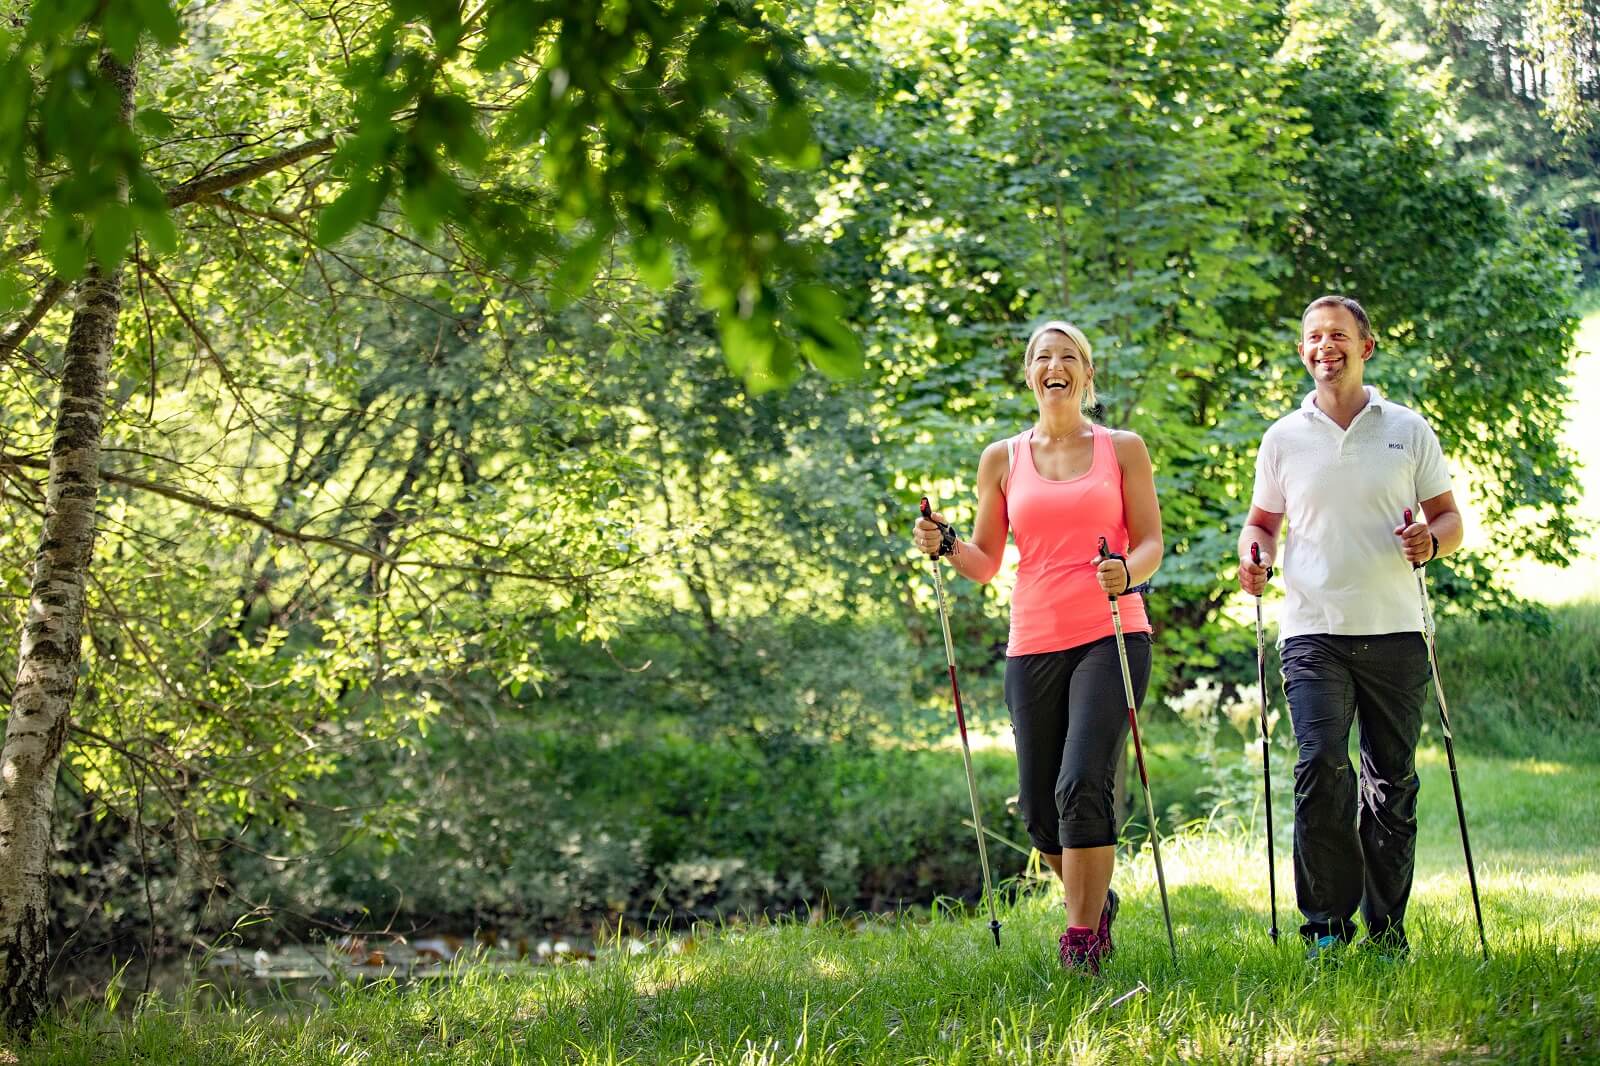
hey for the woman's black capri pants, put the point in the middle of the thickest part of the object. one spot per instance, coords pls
(1069, 715)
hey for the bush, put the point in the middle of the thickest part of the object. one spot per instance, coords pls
(528, 829)
(1524, 690)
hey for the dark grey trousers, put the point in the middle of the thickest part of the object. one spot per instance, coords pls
(1355, 837)
(1069, 714)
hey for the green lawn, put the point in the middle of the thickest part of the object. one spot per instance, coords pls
(1581, 581)
(934, 990)
(921, 989)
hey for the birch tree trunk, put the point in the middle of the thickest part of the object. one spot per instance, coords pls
(47, 672)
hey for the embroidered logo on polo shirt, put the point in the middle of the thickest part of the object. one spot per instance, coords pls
(1397, 447)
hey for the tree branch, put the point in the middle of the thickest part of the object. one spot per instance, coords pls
(191, 191)
(339, 543)
(18, 331)
(176, 197)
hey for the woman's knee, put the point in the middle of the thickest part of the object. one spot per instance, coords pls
(1086, 804)
(1041, 821)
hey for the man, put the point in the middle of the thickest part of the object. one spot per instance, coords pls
(1344, 469)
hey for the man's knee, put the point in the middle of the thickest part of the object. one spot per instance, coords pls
(1324, 786)
(1394, 799)
(1322, 765)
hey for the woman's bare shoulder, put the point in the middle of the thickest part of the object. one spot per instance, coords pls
(1129, 446)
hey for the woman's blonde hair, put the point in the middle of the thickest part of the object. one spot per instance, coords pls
(1076, 336)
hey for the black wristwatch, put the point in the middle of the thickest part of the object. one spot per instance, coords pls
(1435, 554)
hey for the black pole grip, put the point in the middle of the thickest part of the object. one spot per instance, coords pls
(1107, 553)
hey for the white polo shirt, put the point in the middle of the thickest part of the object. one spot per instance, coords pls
(1343, 492)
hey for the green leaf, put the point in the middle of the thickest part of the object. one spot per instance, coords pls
(158, 229)
(851, 79)
(160, 20)
(155, 122)
(578, 269)
(654, 259)
(120, 29)
(359, 202)
(792, 139)
(10, 295)
(62, 240)
(50, 19)
(509, 31)
(113, 232)
(826, 339)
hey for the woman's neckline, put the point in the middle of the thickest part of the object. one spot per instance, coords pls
(1027, 439)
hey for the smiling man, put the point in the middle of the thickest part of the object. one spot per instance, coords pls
(1344, 469)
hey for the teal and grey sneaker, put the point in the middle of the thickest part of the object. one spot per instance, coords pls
(1325, 947)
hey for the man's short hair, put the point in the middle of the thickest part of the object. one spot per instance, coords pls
(1346, 302)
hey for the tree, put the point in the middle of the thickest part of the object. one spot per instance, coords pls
(510, 136)
(1181, 182)
(1524, 81)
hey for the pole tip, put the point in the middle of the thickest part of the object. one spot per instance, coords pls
(994, 927)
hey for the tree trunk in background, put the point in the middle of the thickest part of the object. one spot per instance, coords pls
(51, 644)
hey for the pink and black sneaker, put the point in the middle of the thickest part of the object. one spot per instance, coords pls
(1081, 950)
(1108, 914)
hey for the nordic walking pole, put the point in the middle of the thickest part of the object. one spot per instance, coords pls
(1449, 745)
(1138, 754)
(961, 722)
(1266, 772)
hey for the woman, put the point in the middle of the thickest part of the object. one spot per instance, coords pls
(1059, 487)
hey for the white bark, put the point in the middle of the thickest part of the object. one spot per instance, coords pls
(47, 672)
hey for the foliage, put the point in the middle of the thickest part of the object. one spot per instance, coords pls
(933, 988)
(1519, 691)
(1523, 90)
(528, 130)
(1184, 219)
(506, 826)
(423, 451)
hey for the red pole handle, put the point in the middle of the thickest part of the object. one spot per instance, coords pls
(1414, 566)
(1255, 557)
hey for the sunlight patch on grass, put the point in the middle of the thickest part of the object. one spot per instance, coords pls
(1581, 581)
(1541, 767)
(930, 987)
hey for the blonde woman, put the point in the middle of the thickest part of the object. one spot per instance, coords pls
(1057, 488)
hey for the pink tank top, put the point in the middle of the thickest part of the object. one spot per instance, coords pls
(1057, 526)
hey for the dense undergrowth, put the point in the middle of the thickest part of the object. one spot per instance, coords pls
(533, 828)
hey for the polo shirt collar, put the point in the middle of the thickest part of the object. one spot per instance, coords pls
(1309, 404)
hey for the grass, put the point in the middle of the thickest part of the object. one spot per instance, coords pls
(932, 988)
(1580, 581)
(1521, 692)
